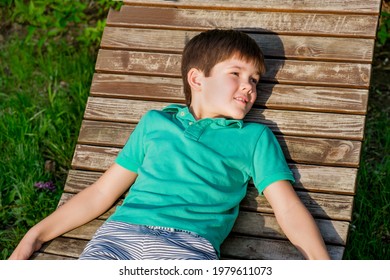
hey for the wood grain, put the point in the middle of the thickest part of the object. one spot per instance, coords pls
(334, 6)
(242, 247)
(302, 23)
(328, 206)
(272, 45)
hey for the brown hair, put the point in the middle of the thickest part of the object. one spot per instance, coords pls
(209, 48)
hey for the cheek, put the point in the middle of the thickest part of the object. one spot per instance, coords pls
(253, 97)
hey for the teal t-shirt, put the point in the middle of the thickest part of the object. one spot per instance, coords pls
(192, 174)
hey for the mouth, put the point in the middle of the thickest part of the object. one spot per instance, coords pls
(241, 99)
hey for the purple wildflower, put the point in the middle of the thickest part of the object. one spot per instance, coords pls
(45, 186)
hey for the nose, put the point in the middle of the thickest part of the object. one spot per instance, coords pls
(247, 87)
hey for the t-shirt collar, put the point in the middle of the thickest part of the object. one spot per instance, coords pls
(183, 113)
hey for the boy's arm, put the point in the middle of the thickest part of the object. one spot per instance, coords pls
(295, 220)
(82, 208)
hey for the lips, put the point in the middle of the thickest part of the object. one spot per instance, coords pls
(241, 99)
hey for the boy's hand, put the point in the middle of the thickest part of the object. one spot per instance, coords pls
(27, 246)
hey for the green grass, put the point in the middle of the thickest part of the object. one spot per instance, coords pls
(42, 101)
(47, 56)
(370, 232)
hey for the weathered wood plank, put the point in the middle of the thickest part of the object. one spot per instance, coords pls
(85, 231)
(328, 206)
(110, 134)
(315, 99)
(321, 151)
(297, 149)
(273, 96)
(138, 87)
(314, 178)
(267, 249)
(293, 123)
(310, 23)
(336, 6)
(308, 177)
(64, 246)
(281, 71)
(309, 124)
(248, 223)
(94, 158)
(264, 225)
(44, 256)
(290, 47)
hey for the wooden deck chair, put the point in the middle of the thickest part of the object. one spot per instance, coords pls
(313, 96)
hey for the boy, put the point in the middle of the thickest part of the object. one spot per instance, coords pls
(189, 167)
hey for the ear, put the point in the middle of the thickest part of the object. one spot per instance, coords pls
(195, 78)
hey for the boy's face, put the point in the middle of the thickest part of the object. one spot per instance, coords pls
(229, 91)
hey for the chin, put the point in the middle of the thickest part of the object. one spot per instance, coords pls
(238, 116)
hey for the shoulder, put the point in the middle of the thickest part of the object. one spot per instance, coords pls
(156, 119)
(256, 128)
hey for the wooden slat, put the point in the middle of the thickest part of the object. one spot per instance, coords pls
(85, 231)
(321, 151)
(325, 125)
(138, 87)
(44, 256)
(264, 225)
(78, 180)
(278, 22)
(110, 134)
(94, 158)
(324, 179)
(329, 206)
(336, 6)
(296, 149)
(64, 246)
(314, 73)
(272, 45)
(315, 99)
(274, 96)
(266, 249)
(340, 126)
(248, 223)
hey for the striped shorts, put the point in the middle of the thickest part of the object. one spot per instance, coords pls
(124, 241)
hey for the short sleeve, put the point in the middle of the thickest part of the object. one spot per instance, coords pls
(269, 163)
(133, 153)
